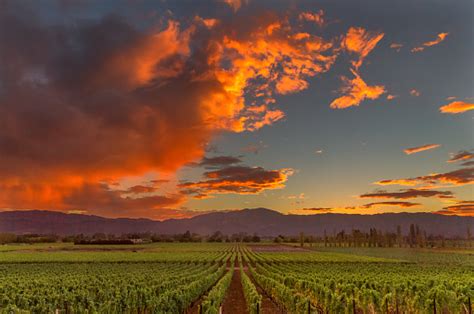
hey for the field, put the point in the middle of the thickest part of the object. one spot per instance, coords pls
(234, 278)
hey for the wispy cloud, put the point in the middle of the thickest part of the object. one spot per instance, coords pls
(417, 149)
(316, 209)
(235, 4)
(456, 107)
(360, 42)
(408, 194)
(355, 91)
(439, 38)
(317, 17)
(398, 204)
(218, 161)
(396, 46)
(461, 208)
(254, 148)
(457, 177)
(462, 155)
(359, 208)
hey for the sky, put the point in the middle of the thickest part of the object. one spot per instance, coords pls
(171, 109)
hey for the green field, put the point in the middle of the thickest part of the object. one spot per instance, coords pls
(202, 277)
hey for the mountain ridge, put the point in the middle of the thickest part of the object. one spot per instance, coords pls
(262, 221)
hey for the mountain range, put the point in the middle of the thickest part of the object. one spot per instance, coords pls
(262, 221)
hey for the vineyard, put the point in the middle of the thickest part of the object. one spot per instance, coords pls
(204, 278)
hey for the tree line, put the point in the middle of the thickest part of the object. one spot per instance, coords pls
(415, 237)
(128, 238)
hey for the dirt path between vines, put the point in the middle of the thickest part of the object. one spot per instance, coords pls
(234, 301)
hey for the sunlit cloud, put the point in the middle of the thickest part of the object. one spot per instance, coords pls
(359, 208)
(457, 177)
(110, 103)
(456, 107)
(319, 210)
(237, 180)
(360, 42)
(461, 208)
(355, 91)
(462, 155)
(398, 204)
(235, 4)
(439, 38)
(391, 97)
(317, 17)
(97, 199)
(300, 196)
(408, 194)
(417, 149)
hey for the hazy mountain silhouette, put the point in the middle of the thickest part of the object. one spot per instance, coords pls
(264, 222)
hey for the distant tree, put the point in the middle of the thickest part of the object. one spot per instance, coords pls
(469, 235)
(255, 238)
(216, 237)
(7, 238)
(399, 236)
(301, 239)
(412, 236)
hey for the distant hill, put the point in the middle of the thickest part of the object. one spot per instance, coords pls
(264, 222)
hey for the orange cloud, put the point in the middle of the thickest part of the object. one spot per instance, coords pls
(324, 210)
(462, 208)
(97, 199)
(360, 42)
(417, 149)
(461, 156)
(355, 91)
(399, 204)
(440, 37)
(139, 189)
(457, 177)
(237, 179)
(317, 17)
(391, 97)
(110, 104)
(320, 210)
(235, 4)
(407, 194)
(456, 107)
(108, 108)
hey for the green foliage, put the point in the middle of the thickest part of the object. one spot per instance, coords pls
(168, 278)
(213, 300)
(335, 287)
(104, 287)
(252, 297)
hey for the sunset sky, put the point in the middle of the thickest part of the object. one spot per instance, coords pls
(163, 109)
